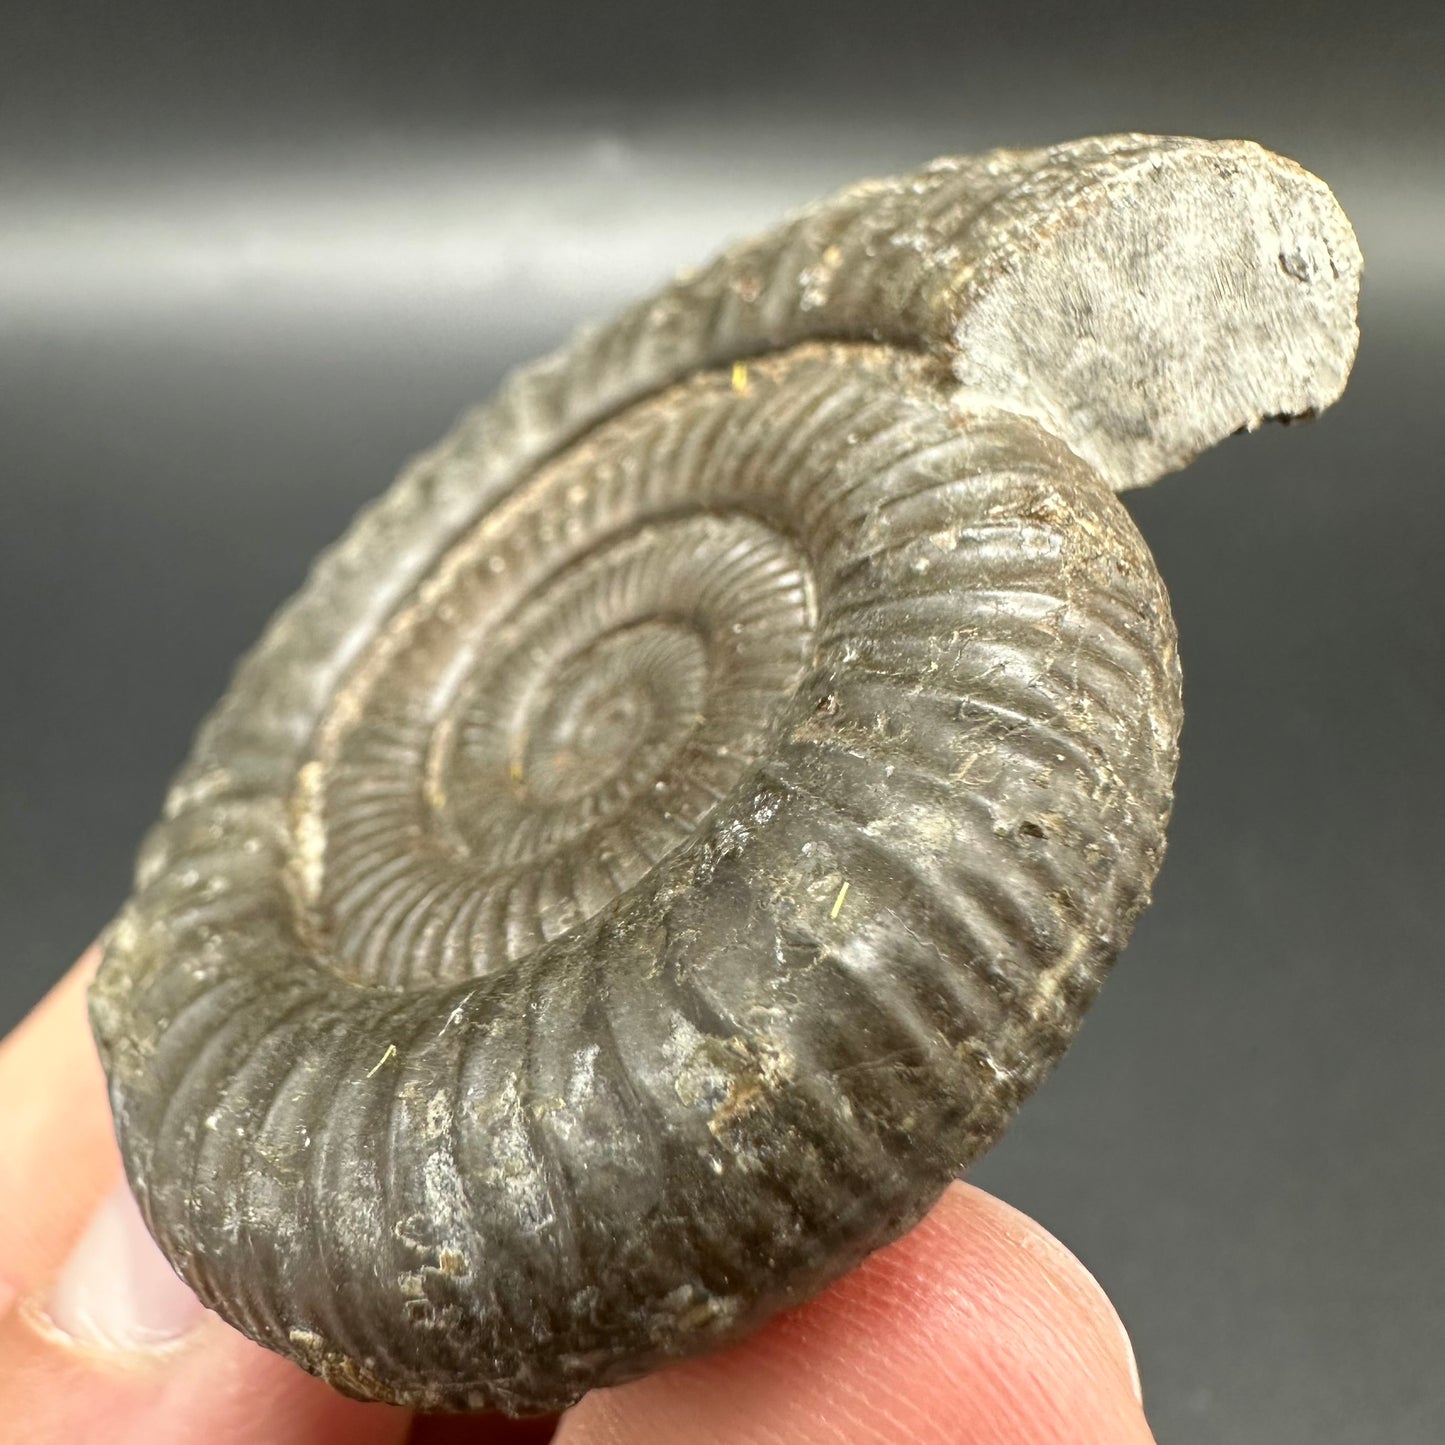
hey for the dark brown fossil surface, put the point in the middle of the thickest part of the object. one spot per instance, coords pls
(677, 825)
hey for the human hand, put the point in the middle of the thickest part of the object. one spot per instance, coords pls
(978, 1328)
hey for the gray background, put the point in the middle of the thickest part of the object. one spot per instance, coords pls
(251, 257)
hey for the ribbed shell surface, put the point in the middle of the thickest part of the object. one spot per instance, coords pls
(674, 829)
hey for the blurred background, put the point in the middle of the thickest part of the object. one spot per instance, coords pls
(252, 256)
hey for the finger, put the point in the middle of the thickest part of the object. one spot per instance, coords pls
(207, 1383)
(105, 1344)
(471, 1430)
(978, 1328)
(57, 1153)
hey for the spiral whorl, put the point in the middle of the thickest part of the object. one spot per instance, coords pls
(677, 825)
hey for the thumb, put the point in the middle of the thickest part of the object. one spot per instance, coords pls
(978, 1328)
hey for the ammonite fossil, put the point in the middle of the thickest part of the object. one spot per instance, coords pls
(675, 827)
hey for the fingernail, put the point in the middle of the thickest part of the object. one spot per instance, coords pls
(116, 1290)
(1046, 1243)
(1125, 1343)
(1135, 1383)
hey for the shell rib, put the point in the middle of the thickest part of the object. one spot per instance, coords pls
(677, 825)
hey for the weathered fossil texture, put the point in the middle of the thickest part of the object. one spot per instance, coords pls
(676, 826)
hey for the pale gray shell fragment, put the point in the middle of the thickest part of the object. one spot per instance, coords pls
(675, 827)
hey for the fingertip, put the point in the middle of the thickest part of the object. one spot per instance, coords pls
(211, 1384)
(976, 1325)
(116, 1289)
(1003, 1235)
(57, 1148)
(481, 1430)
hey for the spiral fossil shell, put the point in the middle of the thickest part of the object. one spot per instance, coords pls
(677, 825)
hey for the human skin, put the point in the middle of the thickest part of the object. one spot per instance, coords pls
(978, 1328)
